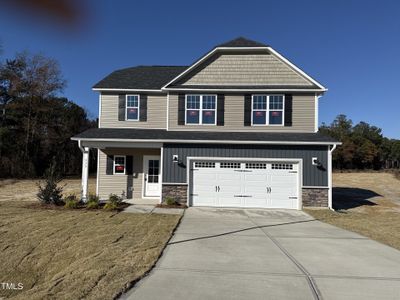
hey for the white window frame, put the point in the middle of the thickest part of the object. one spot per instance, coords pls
(200, 110)
(126, 107)
(119, 156)
(267, 110)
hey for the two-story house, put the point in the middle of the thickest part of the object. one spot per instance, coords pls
(237, 128)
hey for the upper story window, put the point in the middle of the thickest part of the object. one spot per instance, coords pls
(119, 164)
(132, 108)
(201, 109)
(267, 109)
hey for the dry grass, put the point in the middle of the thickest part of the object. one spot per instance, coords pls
(74, 254)
(369, 203)
(25, 190)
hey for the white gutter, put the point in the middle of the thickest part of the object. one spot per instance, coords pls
(202, 141)
(245, 90)
(79, 145)
(330, 174)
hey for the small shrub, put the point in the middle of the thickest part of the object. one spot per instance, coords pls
(50, 192)
(71, 203)
(170, 201)
(110, 206)
(115, 199)
(93, 198)
(93, 202)
(92, 205)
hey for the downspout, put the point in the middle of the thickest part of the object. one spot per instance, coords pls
(330, 175)
(80, 146)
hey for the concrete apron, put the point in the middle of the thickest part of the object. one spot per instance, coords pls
(269, 254)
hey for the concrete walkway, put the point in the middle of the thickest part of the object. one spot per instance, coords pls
(152, 209)
(269, 254)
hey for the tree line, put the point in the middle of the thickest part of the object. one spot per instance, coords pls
(36, 124)
(364, 146)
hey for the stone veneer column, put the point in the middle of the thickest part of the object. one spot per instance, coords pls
(315, 197)
(176, 191)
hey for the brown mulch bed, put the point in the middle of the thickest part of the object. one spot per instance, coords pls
(38, 205)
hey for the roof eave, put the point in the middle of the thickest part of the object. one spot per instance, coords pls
(205, 141)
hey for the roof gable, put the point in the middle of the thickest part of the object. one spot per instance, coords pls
(242, 42)
(243, 68)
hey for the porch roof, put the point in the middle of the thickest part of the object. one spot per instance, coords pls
(161, 135)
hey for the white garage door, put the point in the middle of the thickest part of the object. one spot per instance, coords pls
(245, 184)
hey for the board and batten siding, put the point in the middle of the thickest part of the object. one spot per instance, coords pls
(244, 69)
(156, 112)
(312, 176)
(116, 184)
(303, 116)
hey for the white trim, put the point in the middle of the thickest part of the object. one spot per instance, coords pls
(200, 110)
(175, 183)
(272, 51)
(330, 150)
(167, 127)
(161, 171)
(316, 112)
(190, 68)
(244, 90)
(115, 156)
(98, 172)
(297, 69)
(127, 90)
(145, 171)
(299, 161)
(267, 110)
(204, 141)
(126, 108)
(99, 126)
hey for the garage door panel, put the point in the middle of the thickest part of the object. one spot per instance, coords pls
(241, 184)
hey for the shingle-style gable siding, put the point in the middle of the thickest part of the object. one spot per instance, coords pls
(241, 69)
(156, 112)
(303, 116)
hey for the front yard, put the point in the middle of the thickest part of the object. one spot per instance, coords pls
(367, 203)
(74, 254)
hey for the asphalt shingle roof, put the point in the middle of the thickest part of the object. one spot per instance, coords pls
(163, 135)
(242, 42)
(155, 77)
(141, 77)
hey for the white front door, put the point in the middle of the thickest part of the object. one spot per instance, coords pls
(151, 173)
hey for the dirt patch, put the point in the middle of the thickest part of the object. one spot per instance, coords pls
(25, 190)
(367, 203)
(75, 254)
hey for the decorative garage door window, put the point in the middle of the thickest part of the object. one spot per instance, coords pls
(230, 165)
(282, 166)
(256, 166)
(119, 164)
(204, 164)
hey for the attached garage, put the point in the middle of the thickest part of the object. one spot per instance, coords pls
(241, 183)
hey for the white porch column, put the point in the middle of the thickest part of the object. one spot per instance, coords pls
(85, 173)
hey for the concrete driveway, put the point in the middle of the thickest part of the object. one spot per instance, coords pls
(269, 254)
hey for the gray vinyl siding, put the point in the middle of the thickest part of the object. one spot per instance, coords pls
(303, 116)
(156, 112)
(312, 176)
(116, 184)
(245, 69)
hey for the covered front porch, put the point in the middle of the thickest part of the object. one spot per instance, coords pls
(132, 171)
